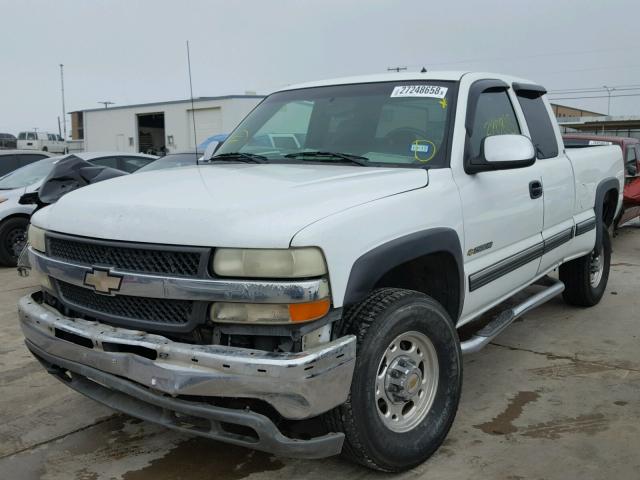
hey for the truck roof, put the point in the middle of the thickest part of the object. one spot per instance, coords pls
(444, 75)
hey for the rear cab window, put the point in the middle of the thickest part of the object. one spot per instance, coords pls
(543, 135)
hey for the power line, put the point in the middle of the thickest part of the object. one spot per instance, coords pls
(598, 96)
(595, 89)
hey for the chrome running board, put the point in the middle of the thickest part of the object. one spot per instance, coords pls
(482, 337)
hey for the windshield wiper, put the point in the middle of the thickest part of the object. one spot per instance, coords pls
(332, 156)
(239, 156)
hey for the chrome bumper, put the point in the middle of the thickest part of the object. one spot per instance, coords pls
(239, 427)
(297, 385)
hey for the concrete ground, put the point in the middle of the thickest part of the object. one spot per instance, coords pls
(557, 396)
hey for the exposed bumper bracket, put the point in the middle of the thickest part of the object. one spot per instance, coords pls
(209, 421)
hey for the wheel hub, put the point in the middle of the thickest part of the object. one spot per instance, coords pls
(406, 381)
(16, 241)
(596, 268)
(403, 379)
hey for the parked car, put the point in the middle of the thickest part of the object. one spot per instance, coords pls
(43, 141)
(127, 162)
(11, 160)
(305, 299)
(214, 138)
(174, 160)
(631, 151)
(14, 216)
(8, 141)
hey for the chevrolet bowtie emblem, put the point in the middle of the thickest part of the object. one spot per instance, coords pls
(102, 281)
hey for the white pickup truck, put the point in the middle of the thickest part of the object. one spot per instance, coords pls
(305, 298)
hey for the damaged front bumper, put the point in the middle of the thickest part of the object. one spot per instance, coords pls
(144, 375)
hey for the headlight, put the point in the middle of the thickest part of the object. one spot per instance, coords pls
(35, 237)
(262, 263)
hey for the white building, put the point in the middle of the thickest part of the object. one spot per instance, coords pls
(150, 127)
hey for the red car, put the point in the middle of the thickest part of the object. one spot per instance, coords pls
(631, 151)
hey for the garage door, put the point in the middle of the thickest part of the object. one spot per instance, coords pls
(208, 122)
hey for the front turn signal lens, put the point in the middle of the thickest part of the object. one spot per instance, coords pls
(305, 312)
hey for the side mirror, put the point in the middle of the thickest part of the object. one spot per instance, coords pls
(210, 150)
(501, 152)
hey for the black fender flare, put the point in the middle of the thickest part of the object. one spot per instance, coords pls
(601, 190)
(368, 269)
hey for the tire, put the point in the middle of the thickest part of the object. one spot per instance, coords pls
(13, 234)
(372, 437)
(583, 289)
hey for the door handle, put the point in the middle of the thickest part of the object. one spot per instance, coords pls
(535, 189)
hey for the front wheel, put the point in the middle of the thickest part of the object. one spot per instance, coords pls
(586, 278)
(406, 384)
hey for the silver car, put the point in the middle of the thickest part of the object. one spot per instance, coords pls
(14, 217)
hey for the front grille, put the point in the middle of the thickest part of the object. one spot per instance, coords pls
(156, 310)
(129, 258)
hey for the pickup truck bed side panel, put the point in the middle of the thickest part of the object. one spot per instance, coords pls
(591, 169)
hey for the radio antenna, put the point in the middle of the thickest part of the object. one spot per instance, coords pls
(193, 111)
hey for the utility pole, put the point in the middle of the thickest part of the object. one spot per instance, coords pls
(107, 103)
(609, 90)
(396, 69)
(64, 113)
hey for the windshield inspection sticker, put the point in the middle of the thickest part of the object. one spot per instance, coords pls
(423, 150)
(429, 91)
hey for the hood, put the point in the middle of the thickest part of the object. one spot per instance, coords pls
(240, 205)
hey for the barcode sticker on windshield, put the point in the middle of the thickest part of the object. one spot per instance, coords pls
(430, 91)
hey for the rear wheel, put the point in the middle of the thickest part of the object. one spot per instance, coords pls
(13, 238)
(406, 384)
(586, 278)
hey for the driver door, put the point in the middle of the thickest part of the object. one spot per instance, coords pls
(502, 209)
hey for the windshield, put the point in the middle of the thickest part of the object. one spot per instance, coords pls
(173, 160)
(25, 176)
(379, 124)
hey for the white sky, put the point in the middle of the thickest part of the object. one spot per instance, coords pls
(129, 51)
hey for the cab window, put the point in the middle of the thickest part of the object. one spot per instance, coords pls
(494, 116)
